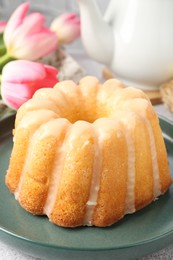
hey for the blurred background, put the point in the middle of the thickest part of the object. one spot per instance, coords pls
(50, 8)
(53, 8)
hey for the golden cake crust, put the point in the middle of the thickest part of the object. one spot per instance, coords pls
(87, 154)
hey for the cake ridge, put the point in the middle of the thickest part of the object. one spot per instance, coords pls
(95, 183)
(87, 156)
(25, 134)
(71, 90)
(155, 167)
(34, 105)
(52, 94)
(130, 196)
(40, 122)
(58, 166)
(37, 120)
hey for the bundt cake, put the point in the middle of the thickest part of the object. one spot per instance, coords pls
(87, 154)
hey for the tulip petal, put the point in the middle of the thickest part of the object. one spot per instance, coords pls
(51, 71)
(23, 71)
(15, 71)
(70, 18)
(36, 46)
(67, 34)
(32, 24)
(51, 77)
(48, 82)
(67, 27)
(22, 78)
(15, 89)
(14, 102)
(14, 95)
(62, 20)
(26, 37)
(15, 20)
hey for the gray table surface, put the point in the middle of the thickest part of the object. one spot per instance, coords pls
(91, 67)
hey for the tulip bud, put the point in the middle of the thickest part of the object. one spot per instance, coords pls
(21, 78)
(26, 37)
(67, 27)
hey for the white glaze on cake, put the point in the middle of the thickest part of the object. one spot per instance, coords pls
(130, 197)
(33, 123)
(156, 176)
(95, 184)
(79, 123)
(38, 119)
(55, 179)
(56, 128)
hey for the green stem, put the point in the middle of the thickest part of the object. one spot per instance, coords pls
(2, 49)
(4, 60)
(1, 38)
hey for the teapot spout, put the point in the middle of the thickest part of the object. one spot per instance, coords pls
(97, 35)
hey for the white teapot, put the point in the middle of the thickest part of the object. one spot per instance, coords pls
(134, 39)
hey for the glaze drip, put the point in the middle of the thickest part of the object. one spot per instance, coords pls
(59, 130)
(95, 184)
(34, 124)
(156, 176)
(130, 197)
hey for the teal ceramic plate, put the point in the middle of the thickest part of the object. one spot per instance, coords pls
(136, 235)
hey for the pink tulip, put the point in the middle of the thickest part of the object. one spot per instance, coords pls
(2, 26)
(67, 28)
(26, 37)
(21, 78)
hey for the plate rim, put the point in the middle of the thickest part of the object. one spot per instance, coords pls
(35, 242)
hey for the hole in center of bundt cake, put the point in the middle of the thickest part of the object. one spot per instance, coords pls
(87, 111)
(87, 115)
